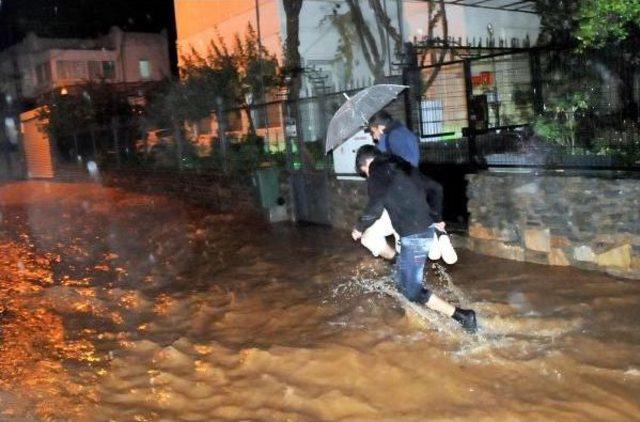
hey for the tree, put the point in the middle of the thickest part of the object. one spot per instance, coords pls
(601, 22)
(259, 71)
(436, 16)
(558, 22)
(293, 68)
(221, 79)
(352, 25)
(293, 62)
(374, 54)
(605, 31)
(237, 76)
(83, 108)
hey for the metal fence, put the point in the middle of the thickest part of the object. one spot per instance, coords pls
(210, 145)
(529, 108)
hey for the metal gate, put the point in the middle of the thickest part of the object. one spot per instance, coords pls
(311, 196)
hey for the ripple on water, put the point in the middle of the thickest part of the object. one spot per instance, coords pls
(230, 321)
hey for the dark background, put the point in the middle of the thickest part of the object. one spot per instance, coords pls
(85, 18)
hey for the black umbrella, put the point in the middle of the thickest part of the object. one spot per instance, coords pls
(356, 111)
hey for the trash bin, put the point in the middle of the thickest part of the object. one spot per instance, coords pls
(268, 187)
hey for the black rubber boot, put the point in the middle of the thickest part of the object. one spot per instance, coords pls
(466, 318)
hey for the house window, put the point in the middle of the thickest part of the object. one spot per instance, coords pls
(259, 116)
(234, 120)
(109, 69)
(68, 69)
(266, 115)
(102, 70)
(43, 73)
(95, 70)
(431, 118)
(145, 69)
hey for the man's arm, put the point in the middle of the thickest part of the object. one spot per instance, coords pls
(377, 187)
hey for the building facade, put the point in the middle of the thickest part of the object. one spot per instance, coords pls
(330, 41)
(31, 70)
(348, 45)
(36, 65)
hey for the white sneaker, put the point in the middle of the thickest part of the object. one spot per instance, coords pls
(449, 255)
(435, 252)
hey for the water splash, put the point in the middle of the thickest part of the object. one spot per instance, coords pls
(446, 283)
(93, 170)
(369, 280)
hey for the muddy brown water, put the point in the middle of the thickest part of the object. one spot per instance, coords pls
(119, 306)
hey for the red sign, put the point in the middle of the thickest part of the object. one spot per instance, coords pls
(483, 79)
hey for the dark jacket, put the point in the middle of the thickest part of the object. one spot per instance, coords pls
(399, 140)
(413, 201)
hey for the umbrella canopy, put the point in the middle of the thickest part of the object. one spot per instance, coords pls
(356, 111)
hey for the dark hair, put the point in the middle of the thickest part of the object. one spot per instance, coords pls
(364, 153)
(381, 118)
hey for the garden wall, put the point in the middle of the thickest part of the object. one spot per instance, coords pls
(586, 220)
(347, 201)
(212, 190)
(231, 193)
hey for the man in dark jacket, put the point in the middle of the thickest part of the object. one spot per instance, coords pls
(396, 186)
(392, 137)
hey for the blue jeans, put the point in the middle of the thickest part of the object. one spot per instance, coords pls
(413, 255)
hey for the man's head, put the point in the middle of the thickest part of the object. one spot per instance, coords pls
(378, 123)
(364, 157)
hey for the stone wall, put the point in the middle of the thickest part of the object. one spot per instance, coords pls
(589, 221)
(348, 199)
(213, 190)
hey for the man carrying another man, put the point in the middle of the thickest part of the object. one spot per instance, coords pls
(394, 138)
(399, 188)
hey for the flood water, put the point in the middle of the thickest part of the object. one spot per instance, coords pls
(126, 307)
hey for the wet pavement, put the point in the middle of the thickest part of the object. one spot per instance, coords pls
(128, 307)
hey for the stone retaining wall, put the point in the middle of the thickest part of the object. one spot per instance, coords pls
(216, 191)
(589, 221)
(348, 199)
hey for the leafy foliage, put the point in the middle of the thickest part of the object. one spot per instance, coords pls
(83, 106)
(221, 78)
(604, 21)
(560, 123)
(591, 24)
(344, 25)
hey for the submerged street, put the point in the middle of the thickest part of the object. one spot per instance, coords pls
(123, 306)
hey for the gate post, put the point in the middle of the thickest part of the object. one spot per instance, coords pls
(536, 82)
(409, 78)
(116, 140)
(471, 117)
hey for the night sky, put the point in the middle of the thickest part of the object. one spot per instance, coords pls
(83, 18)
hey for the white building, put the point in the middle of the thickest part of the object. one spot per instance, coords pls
(336, 52)
(335, 57)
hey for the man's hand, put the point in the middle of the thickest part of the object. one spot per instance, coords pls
(356, 234)
(439, 226)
